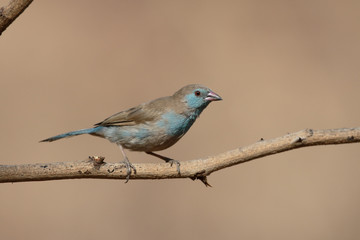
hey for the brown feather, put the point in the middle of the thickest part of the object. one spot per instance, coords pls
(150, 111)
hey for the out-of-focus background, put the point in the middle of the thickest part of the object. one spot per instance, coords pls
(281, 66)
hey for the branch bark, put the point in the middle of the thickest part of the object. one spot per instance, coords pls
(195, 169)
(9, 13)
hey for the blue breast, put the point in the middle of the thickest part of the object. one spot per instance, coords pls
(176, 124)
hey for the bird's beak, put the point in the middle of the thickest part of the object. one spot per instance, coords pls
(211, 96)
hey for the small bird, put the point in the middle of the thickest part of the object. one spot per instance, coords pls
(152, 126)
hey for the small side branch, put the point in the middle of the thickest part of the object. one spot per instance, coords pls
(194, 169)
(9, 13)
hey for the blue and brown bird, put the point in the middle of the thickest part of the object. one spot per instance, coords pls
(152, 126)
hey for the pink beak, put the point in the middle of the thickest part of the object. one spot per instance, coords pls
(213, 97)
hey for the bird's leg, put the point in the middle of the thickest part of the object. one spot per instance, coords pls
(127, 163)
(168, 160)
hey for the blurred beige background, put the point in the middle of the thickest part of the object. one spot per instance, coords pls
(281, 66)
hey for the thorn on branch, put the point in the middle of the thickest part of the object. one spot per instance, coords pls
(200, 176)
(204, 180)
(97, 160)
(87, 172)
(351, 138)
(309, 132)
(298, 140)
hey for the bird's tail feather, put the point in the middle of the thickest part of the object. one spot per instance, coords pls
(70, 134)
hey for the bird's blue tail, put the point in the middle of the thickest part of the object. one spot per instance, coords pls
(73, 133)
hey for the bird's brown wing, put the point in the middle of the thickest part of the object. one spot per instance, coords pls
(145, 112)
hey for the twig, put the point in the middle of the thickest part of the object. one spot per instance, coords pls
(95, 167)
(9, 13)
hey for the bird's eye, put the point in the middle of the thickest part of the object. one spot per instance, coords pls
(197, 93)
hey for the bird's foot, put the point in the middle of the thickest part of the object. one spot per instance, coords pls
(128, 166)
(168, 160)
(173, 161)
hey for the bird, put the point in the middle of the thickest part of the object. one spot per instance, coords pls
(151, 126)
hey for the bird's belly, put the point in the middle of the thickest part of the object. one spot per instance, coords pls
(140, 138)
(152, 142)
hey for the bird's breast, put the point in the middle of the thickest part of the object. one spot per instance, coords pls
(175, 124)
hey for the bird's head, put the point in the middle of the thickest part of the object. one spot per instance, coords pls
(196, 96)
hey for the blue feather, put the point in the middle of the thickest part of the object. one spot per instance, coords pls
(197, 102)
(175, 124)
(73, 133)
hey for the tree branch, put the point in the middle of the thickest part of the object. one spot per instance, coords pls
(95, 167)
(9, 13)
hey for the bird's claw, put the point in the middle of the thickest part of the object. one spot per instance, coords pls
(173, 161)
(168, 160)
(128, 167)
